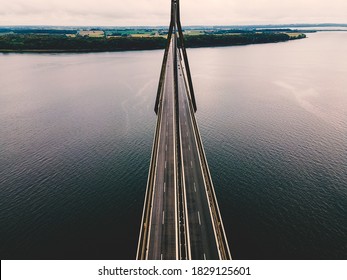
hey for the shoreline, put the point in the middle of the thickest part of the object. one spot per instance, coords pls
(61, 44)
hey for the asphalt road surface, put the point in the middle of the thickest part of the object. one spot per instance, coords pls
(163, 243)
(202, 242)
(179, 166)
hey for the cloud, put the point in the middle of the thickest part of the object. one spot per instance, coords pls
(156, 12)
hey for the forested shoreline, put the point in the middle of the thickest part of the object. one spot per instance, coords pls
(62, 43)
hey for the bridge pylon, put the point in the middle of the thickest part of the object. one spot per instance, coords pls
(175, 26)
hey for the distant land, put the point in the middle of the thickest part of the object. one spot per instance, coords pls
(96, 39)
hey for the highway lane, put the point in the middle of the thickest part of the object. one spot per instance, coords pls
(200, 229)
(163, 232)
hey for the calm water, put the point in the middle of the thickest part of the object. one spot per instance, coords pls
(76, 133)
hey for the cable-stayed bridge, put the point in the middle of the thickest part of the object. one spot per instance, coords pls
(181, 217)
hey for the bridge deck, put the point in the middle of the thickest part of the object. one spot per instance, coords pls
(181, 218)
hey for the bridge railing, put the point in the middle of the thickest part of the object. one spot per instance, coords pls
(145, 222)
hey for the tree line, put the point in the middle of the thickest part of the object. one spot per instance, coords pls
(37, 42)
(240, 39)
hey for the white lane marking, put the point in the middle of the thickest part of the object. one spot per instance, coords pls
(199, 218)
(166, 147)
(161, 256)
(189, 147)
(187, 133)
(191, 164)
(204, 256)
(163, 217)
(194, 187)
(165, 163)
(164, 186)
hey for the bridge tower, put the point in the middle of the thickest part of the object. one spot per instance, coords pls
(175, 26)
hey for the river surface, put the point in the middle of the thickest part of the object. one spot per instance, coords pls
(76, 134)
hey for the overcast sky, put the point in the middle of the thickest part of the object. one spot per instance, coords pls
(156, 12)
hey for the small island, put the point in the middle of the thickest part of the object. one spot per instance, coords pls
(39, 39)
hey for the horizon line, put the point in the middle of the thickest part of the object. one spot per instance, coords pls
(198, 25)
